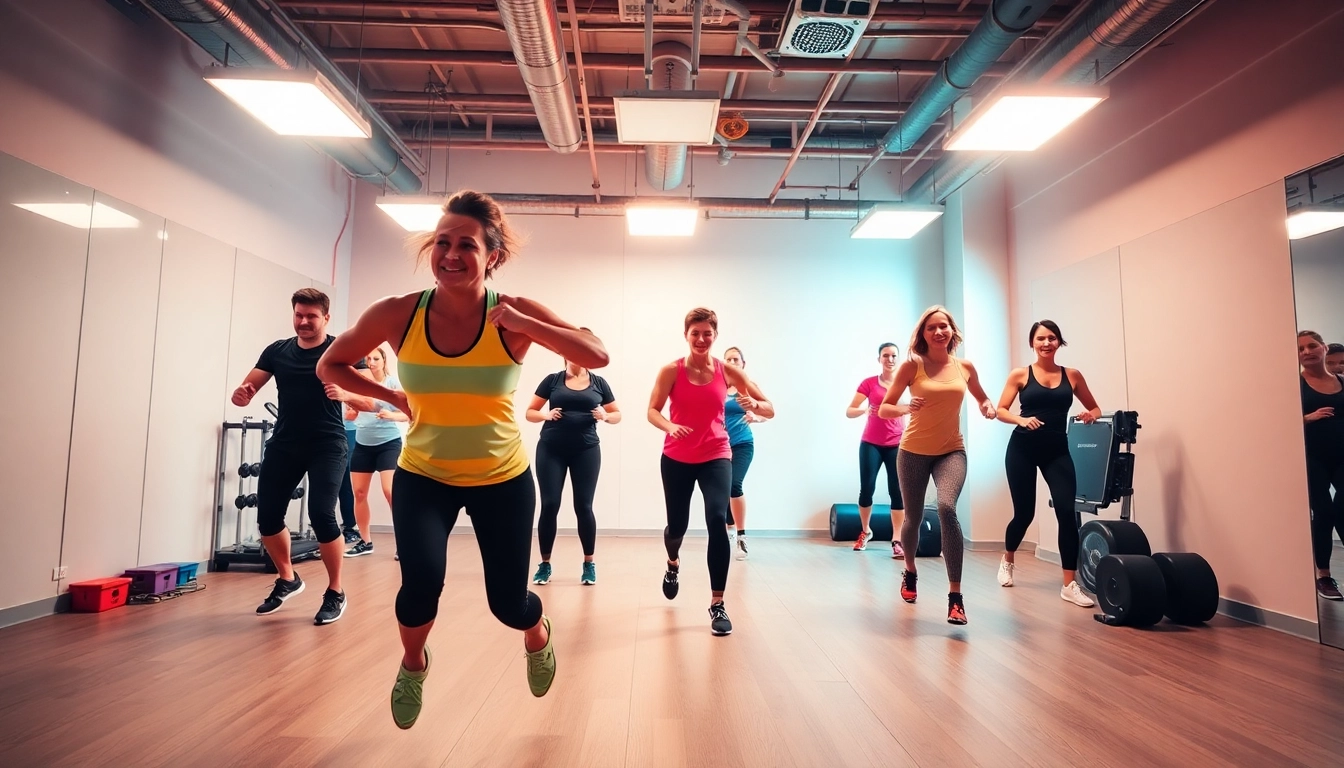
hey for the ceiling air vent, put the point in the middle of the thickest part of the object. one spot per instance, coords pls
(632, 11)
(825, 28)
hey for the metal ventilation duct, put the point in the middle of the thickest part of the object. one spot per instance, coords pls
(665, 164)
(238, 32)
(1088, 47)
(533, 28)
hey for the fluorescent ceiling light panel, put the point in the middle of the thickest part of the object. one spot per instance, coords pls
(1022, 122)
(894, 221)
(80, 216)
(413, 213)
(666, 117)
(1305, 223)
(292, 102)
(661, 220)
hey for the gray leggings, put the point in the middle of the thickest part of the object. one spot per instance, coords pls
(949, 474)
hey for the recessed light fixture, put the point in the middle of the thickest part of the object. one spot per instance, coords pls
(291, 102)
(666, 117)
(1018, 121)
(1308, 221)
(83, 215)
(661, 220)
(894, 221)
(415, 213)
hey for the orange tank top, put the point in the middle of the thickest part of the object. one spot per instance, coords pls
(935, 429)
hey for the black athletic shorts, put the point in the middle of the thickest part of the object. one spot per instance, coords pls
(368, 459)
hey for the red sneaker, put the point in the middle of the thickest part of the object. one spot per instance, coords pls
(956, 611)
(861, 543)
(908, 579)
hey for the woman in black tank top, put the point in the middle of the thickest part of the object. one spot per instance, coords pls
(1323, 428)
(1041, 441)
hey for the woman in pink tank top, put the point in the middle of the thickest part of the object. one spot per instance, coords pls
(696, 450)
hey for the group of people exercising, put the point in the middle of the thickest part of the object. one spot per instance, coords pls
(459, 347)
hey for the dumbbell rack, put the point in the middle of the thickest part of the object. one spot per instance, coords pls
(242, 551)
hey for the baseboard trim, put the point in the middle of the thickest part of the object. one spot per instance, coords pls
(990, 546)
(1250, 614)
(1049, 556)
(35, 610)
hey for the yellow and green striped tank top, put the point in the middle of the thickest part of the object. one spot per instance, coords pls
(462, 427)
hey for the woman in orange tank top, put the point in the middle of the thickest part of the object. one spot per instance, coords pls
(931, 446)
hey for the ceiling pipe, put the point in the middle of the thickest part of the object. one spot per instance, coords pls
(665, 164)
(635, 61)
(710, 207)
(754, 106)
(539, 52)
(1003, 23)
(604, 146)
(258, 34)
(1097, 39)
(583, 94)
(826, 94)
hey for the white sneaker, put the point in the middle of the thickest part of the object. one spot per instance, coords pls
(1006, 573)
(732, 540)
(1075, 594)
(741, 547)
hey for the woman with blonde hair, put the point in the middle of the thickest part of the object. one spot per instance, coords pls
(931, 445)
(377, 448)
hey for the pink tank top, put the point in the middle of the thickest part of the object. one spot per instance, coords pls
(700, 407)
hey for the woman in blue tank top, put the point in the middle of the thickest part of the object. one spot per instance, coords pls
(1041, 441)
(738, 423)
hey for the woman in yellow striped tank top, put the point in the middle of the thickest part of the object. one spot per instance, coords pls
(931, 446)
(459, 347)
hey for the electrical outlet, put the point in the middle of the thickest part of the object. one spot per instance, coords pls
(60, 572)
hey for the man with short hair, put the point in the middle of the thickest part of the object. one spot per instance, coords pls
(309, 438)
(1334, 359)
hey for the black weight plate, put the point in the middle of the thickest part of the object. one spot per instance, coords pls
(1192, 587)
(1131, 589)
(1099, 538)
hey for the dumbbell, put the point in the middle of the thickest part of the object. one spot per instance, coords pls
(251, 499)
(297, 494)
(244, 470)
(240, 501)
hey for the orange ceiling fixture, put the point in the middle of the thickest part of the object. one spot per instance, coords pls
(733, 126)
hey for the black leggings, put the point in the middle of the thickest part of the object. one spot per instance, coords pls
(283, 466)
(583, 465)
(1326, 513)
(742, 455)
(873, 457)
(347, 495)
(679, 479)
(423, 513)
(1049, 452)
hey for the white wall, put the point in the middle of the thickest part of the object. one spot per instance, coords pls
(1182, 170)
(122, 469)
(808, 305)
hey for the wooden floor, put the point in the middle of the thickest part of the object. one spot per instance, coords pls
(825, 667)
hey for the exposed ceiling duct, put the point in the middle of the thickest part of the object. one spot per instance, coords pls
(1088, 47)
(237, 32)
(1003, 23)
(533, 28)
(710, 207)
(665, 164)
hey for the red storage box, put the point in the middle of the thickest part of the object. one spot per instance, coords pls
(153, 579)
(99, 594)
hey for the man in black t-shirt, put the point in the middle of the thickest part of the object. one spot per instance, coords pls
(309, 438)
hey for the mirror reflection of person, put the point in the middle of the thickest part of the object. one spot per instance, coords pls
(1334, 359)
(1323, 425)
(878, 448)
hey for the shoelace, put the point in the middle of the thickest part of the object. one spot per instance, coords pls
(908, 580)
(536, 661)
(331, 602)
(718, 611)
(408, 690)
(278, 589)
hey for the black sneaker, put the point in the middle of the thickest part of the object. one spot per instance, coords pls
(670, 585)
(333, 607)
(909, 586)
(362, 548)
(718, 620)
(282, 591)
(1328, 588)
(956, 609)
(352, 536)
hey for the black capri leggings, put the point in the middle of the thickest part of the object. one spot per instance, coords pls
(679, 479)
(873, 457)
(583, 465)
(424, 512)
(742, 456)
(1326, 513)
(283, 466)
(1049, 452)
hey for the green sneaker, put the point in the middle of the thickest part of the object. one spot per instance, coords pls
(541, 664)
(408, 694)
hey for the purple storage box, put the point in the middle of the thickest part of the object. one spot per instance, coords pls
(153, 579)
